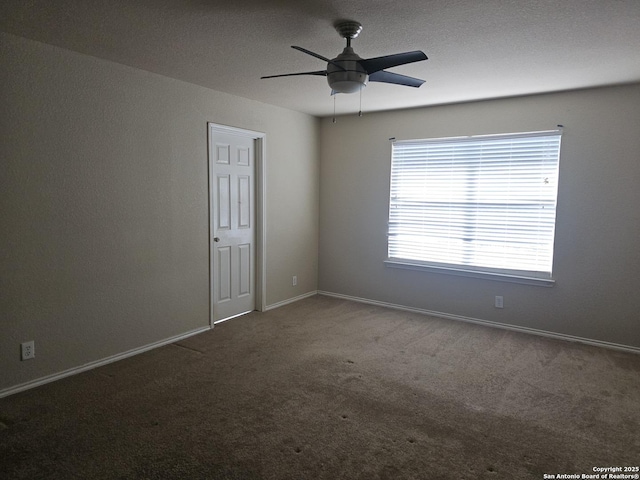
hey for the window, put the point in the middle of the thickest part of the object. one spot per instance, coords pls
(484, 204)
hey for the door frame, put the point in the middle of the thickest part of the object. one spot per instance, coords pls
(260, 154)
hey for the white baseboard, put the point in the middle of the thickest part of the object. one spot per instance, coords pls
(121, 356)
(488, 323)
(290, 300)
(98, 363)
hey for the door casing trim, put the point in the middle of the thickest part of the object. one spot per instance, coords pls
(260, 142)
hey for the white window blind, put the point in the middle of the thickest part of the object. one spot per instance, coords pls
(484, 203)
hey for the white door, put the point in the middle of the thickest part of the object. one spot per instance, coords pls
(233, 218)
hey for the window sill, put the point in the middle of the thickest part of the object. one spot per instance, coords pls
(498, 277)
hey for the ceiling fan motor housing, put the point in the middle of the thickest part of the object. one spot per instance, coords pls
(350, 80)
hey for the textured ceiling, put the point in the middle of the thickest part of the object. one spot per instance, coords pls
(477, 49)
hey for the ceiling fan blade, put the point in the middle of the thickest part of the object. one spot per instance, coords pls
(390, 77)
(317, 55)
(317, 72)
(372, 65)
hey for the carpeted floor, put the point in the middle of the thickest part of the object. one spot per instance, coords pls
(331, 389)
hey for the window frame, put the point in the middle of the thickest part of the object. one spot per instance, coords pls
(499, 274)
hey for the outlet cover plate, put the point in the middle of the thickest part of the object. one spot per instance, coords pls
(27, 350)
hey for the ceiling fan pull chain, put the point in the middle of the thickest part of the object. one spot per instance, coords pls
(360, 111)
(334, 109)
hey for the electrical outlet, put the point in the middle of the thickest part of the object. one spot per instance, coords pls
(27, 350)
(294, 280)
(499, 301)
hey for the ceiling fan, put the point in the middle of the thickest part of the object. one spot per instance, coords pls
(348, 73)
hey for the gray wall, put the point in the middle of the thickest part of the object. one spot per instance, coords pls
(104, 214)
(597, 248)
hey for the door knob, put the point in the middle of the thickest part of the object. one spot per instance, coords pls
(216, 239)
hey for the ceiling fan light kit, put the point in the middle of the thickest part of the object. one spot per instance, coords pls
(352, 78)
(349, 73)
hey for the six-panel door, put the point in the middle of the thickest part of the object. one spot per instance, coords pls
(233, 229)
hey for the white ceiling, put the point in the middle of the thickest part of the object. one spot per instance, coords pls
(477, 49)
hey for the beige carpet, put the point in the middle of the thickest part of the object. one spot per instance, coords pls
(331, 389)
